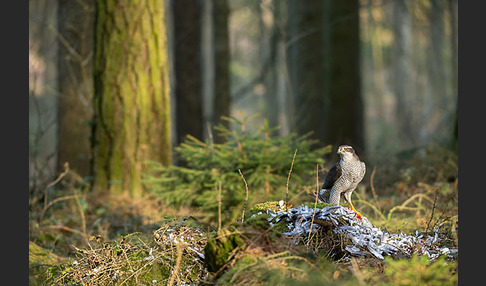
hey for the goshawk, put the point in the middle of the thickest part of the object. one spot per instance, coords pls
(343, 178)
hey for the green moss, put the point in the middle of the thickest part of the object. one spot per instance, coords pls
(271, 205)
(218, 249)
(319, 205)
(258, 221)
(420, 271)
(262, 208)
(245, 262)
(40, 260)
(281, 226)
(158, 272)
(39, 255)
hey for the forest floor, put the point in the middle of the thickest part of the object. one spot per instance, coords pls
(78, 237)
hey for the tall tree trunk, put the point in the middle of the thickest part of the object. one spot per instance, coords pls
(43, 49)
(345, 120)
(222, 101)
(132, 109)
(454, 32)
(187, 64)
(437, 83)
(75, 106)
(401, 73)
(307, 70)
(270, 79)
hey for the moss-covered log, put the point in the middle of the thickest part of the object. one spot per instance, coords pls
(219, 250)
(132, 115)
(40, 260)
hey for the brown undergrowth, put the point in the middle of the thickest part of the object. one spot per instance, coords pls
(120, 232)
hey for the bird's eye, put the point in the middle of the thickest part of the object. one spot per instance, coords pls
(346, 149)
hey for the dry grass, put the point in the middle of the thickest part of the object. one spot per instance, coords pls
(172, 254)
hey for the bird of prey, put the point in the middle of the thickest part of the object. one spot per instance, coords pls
(343, 178)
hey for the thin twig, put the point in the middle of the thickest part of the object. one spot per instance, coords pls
(219, 207)
(246, 199)
(315, 203)
(57, 180)
(210, 134)
(81, 214)
(433, 209)
(63, 227)
(401, 208)
(66, 44)
(59, 200)
(288, 180)
(375, 197)
(175, 271)
(415, 196)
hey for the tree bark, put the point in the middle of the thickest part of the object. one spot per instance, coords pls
(187, 64)
(222, 101)
(75, 107)
(307, 68)
(345, 120)
(453, 6)
(131, 100)
(402, 85)
(270, 80)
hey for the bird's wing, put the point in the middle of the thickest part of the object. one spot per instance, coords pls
(363, 170)
(332, 176)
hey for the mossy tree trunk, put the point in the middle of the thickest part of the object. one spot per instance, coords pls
(75, 108)
(131, 100)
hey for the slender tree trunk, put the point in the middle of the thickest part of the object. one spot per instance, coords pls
(345, 121)
(75, 106)
(132, 109)
(43, 73)
(402, 84)
(307, 70)
(270, 79)
(222, 90)
(207, 65)
(437, 84)
(187, 63)
(454, 33)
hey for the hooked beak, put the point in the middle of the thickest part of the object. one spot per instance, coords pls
(340, 150)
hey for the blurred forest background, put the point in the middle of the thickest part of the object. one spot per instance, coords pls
(380, 75)
(172, 98)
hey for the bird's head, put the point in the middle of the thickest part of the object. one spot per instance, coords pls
(346, 151)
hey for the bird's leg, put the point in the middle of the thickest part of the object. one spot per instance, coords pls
(358, 214)
(334, 197)
(347, 196)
